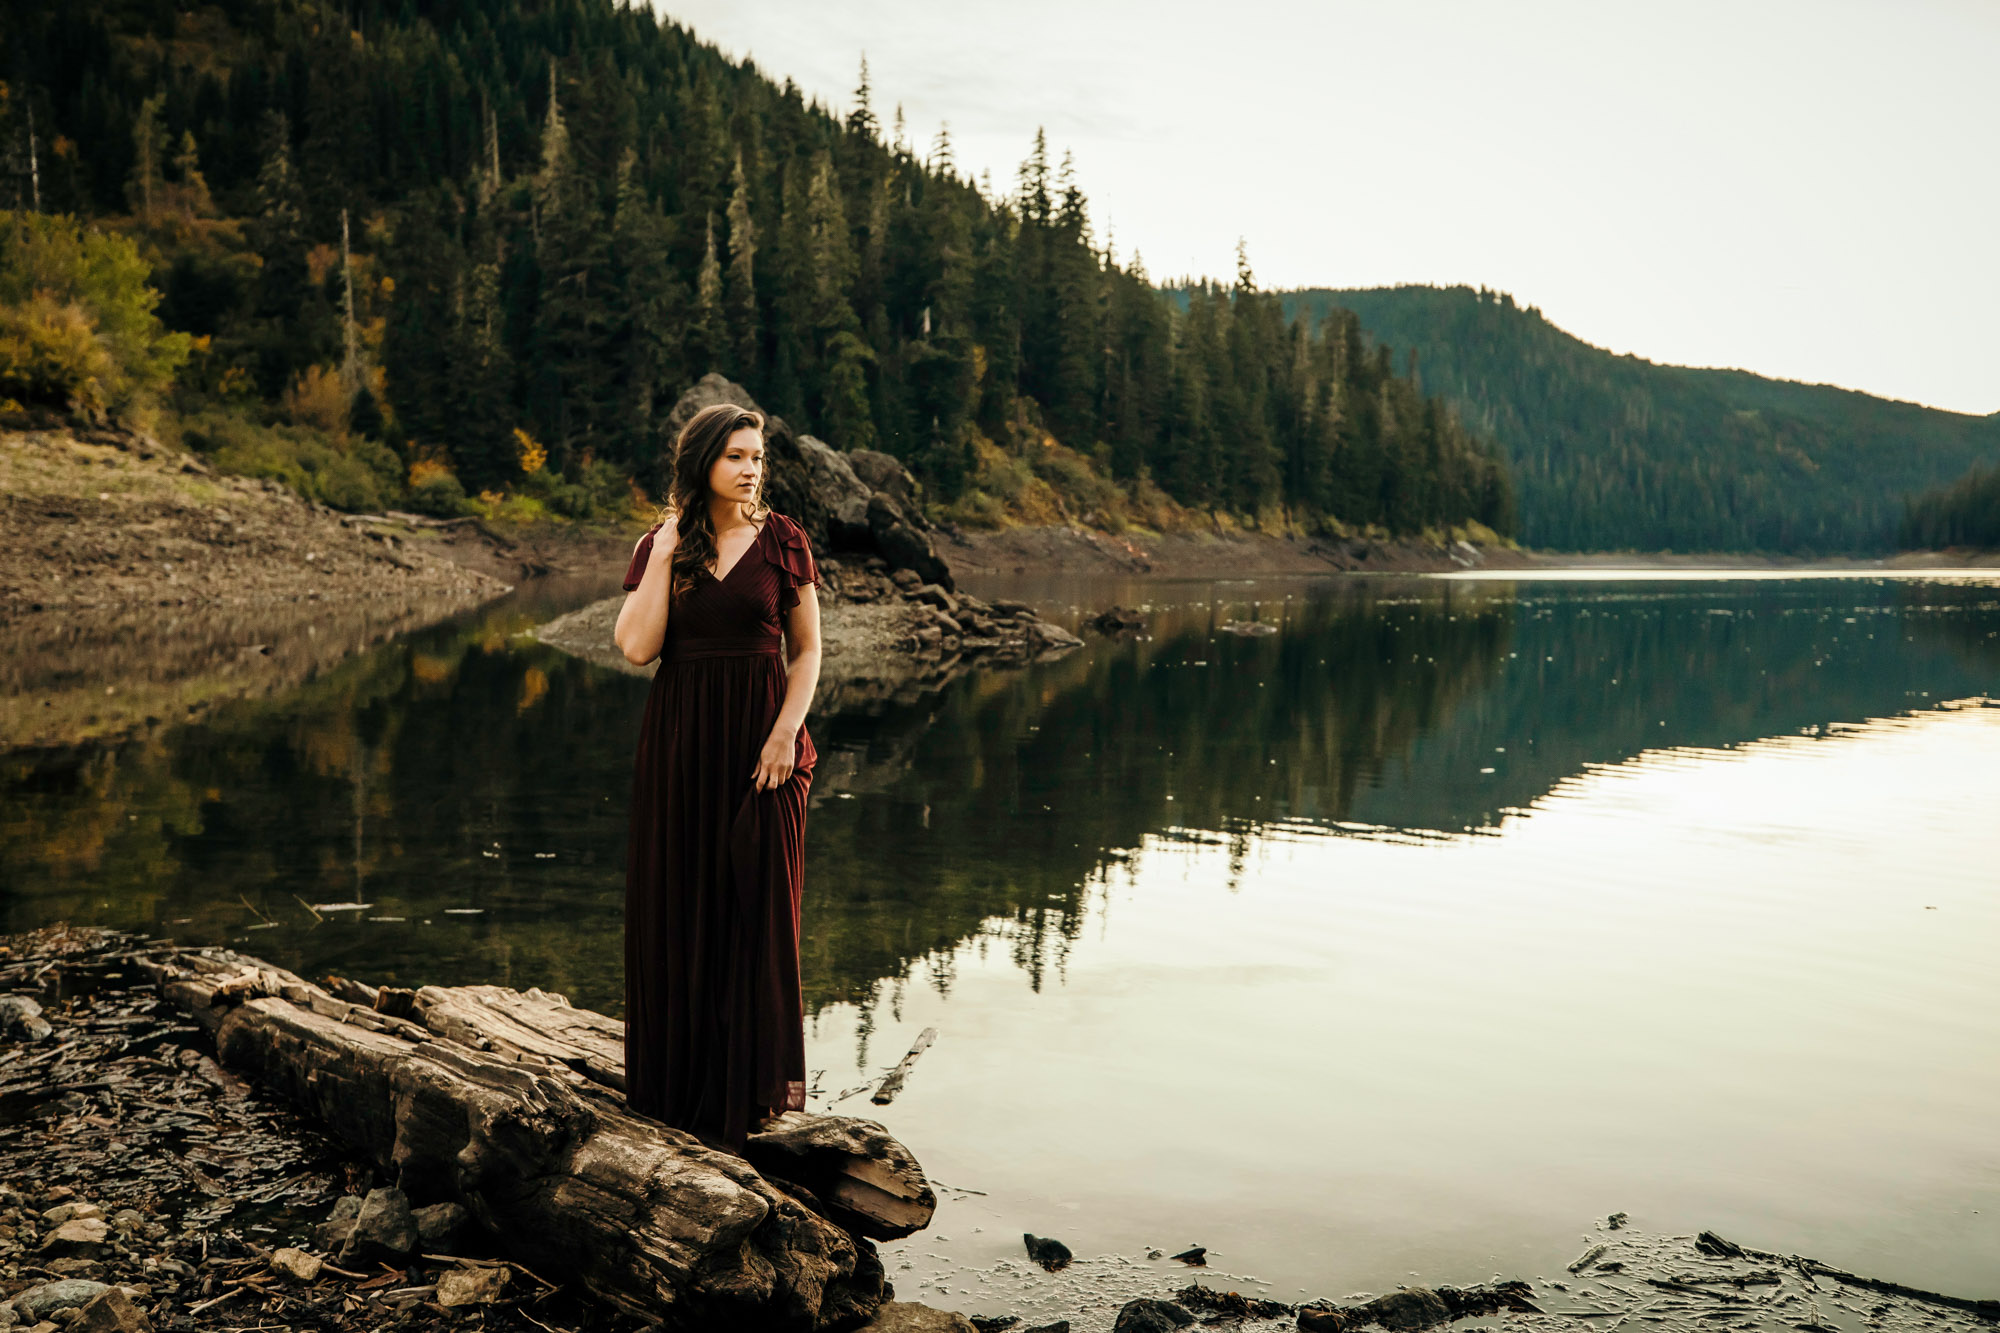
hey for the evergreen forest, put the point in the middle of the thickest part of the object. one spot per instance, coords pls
(1613, 452)
(1965, 513)
(469, 252)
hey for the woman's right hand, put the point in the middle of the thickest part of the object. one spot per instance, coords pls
(666, 539)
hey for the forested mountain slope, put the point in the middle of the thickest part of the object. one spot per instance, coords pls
(1619, 453)
(482, 246)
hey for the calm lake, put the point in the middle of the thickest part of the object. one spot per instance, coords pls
(1408, 939)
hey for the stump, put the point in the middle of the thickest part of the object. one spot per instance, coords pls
(511, 1104)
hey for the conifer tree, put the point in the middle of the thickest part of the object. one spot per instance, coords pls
(708, 341)
(148, 149)
(740, 286)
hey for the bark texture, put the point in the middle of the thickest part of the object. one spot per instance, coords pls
(510, 1104)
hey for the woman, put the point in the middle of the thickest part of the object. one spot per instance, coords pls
(722, 591)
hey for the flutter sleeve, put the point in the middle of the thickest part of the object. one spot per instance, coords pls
(794, 560)
(644, 552)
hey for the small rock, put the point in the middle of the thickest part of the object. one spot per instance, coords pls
(332, 1234)
(943, 620)
(994, 1323)
(472, 1286)
(1196, 1256)
(439, 1223)
(112, 1312)
(64, 1212)
(21, 1019)
(1118, 620)
(1147, 1315)
(1053, 636)
(1059, 1326)
(296, 1264)
(384, 1229)
(932, 594)
(78, 1238)
(1410, 1308)
(909, 1317)
(1050, 1253)
(127, 1220)
(906, 579)
(38, 1303)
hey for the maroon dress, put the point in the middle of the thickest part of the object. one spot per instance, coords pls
(714, 1017)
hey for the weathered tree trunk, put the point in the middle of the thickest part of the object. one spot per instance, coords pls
(510, 1104)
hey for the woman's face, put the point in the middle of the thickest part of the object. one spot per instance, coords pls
(739, 473)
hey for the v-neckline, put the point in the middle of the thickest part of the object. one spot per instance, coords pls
(724, 578)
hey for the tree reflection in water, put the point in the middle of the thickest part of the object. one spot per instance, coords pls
(470, 784)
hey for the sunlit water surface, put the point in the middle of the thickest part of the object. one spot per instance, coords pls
(1405, 940)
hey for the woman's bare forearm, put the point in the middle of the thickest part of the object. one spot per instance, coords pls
(642, 622)
(802, 666)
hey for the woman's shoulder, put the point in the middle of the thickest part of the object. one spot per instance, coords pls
(786, 531)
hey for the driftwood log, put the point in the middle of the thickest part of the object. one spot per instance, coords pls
(511, 1104)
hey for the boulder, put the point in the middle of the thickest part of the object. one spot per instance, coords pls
(909, 1317)
(903, 544)
(384, 1229)
(472, 1286)
(1147, 1315)
(882, 472)
(789, 484)
(844, 494)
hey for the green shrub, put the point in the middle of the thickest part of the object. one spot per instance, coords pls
(361, 475)
(440, 495)
(50, 354)
(60, 281)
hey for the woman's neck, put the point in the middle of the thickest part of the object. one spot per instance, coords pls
(724, 514)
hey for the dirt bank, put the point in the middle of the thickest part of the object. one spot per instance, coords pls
(140, 588)
(1075, 550)
(93, 529)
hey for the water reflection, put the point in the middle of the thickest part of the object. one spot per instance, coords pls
(468, 784)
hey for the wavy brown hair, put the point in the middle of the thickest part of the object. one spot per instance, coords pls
(701, 442)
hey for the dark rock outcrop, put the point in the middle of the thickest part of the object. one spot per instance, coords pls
(832, 496)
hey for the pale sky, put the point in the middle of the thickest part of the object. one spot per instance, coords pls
(1809, 189)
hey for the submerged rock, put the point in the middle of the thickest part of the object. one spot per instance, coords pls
(1050, 1253)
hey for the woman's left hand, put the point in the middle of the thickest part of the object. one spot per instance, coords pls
(774, 765)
